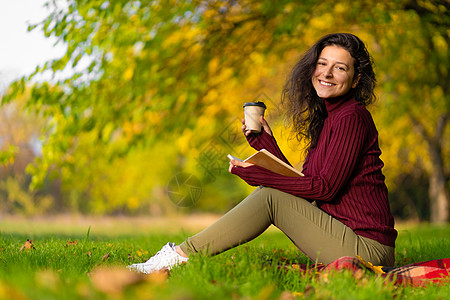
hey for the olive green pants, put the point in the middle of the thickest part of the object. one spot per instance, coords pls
(318, 235)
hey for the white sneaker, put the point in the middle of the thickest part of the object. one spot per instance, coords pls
(164, 259)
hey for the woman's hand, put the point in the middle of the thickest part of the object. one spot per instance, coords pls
(238, 163)
(264, 124)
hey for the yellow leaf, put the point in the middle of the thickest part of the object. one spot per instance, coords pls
(322, 22)
(213, 65)
(340, 8)
(369, 265)
(128, 74)
(133, 202)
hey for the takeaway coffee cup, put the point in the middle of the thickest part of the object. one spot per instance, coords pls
(253, 111)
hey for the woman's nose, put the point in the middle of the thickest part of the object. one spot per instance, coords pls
(327, 72)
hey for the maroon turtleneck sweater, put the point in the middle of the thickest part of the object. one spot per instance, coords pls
(342, 173)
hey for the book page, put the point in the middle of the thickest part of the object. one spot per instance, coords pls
(267, 160)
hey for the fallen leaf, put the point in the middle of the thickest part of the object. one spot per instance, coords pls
(84, 291)
(28, 245)
(158, 277)
(89, 253)
(286, 295)
(324, 277)
(358, 274)
(364, 282)
(113, 280)
(105, 257)
(72, 243)
(48, 279)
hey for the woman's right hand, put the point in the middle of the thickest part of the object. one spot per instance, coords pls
(264, 124)
(237, 163)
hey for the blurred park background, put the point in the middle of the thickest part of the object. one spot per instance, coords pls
(138, 114)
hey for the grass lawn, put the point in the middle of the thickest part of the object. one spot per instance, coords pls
(78, 261)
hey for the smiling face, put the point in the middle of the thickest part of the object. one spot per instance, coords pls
(334, 74)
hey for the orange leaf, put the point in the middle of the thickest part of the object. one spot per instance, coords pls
(28, 245)
(113, 280)
(286, 295)
(72, 243)
(324, 277)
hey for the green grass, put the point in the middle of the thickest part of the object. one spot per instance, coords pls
(57, 269)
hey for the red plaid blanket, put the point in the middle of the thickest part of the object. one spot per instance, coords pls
(418, 274)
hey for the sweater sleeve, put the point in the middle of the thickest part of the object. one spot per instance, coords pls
(263, 140)
(343, 153)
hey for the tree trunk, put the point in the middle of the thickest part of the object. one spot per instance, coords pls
(439, 195)
(439, 198)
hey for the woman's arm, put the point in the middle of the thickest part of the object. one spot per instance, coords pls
(343, 154)
(264, 140)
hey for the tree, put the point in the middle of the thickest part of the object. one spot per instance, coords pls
(161, 76)
(19, 145)
(154, 76)
(415, 86)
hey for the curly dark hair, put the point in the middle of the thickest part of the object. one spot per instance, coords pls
(305, 110)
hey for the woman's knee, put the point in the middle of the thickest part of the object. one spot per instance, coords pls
(268, 193)
(277, 202)
(277, 197)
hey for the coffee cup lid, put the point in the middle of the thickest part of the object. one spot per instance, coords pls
(259, 103)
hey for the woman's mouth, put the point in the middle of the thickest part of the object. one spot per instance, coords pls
(324, 83)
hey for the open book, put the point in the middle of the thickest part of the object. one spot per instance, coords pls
(267, 160)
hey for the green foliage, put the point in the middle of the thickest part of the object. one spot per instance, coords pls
(21, 201)
(156, 83)
(413, 68)
(7, 156)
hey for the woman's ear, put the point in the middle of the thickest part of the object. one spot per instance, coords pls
(356, 80)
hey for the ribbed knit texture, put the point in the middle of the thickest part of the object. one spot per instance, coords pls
(342, 173)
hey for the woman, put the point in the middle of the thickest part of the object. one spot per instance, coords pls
(340, 207)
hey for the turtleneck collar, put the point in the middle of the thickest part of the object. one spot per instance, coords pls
(333, 104)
